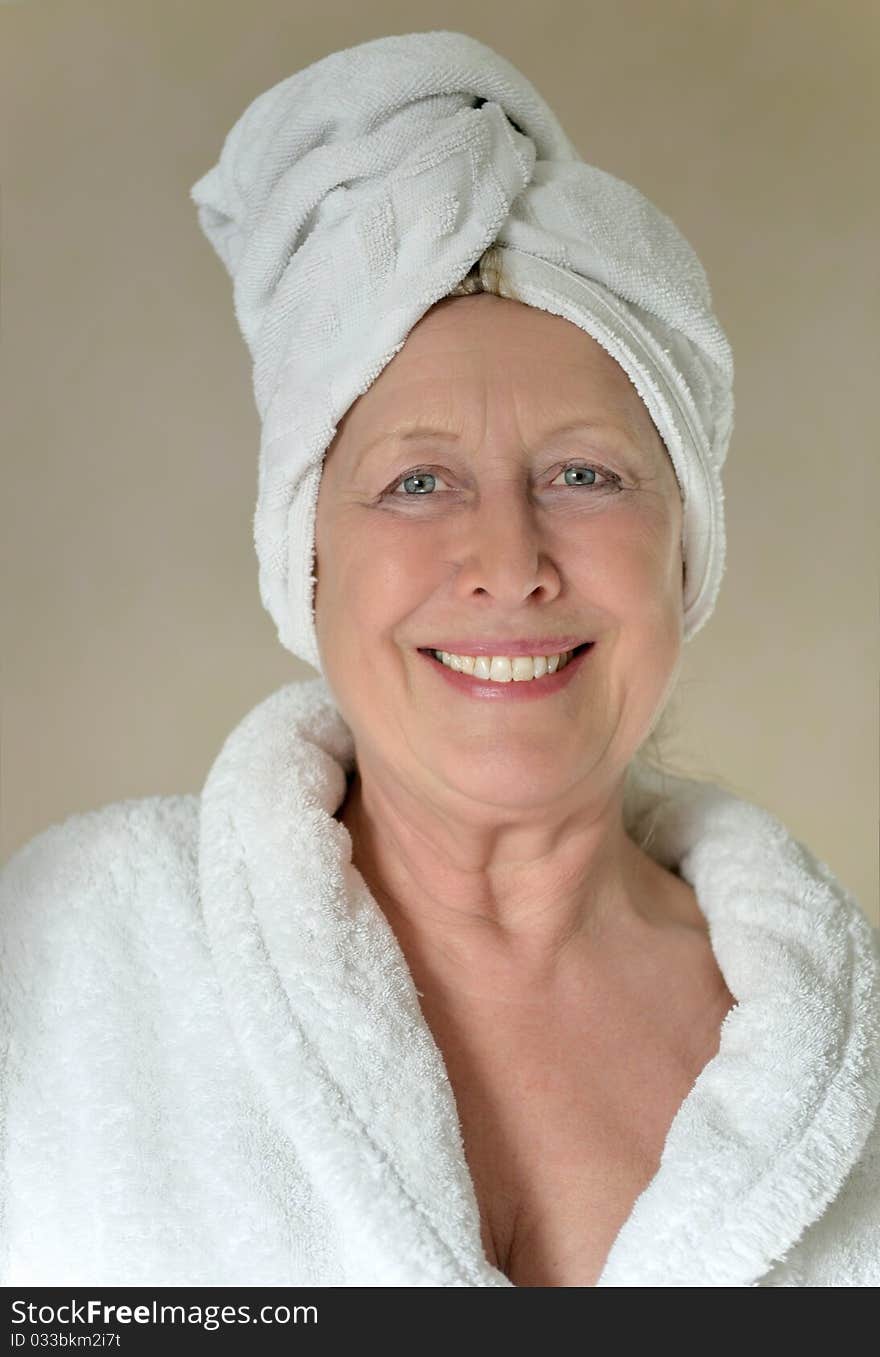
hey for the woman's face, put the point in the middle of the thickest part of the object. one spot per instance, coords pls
(493, 540)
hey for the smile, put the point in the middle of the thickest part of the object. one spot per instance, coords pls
(508, 676)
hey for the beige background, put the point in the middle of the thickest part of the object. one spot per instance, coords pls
(133, 638)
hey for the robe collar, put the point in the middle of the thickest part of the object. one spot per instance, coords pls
(327, 1019)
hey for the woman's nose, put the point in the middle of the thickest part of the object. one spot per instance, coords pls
(504, 551)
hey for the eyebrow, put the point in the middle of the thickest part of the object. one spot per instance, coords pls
(422, 432)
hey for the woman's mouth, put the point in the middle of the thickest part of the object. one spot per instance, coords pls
(509, 676)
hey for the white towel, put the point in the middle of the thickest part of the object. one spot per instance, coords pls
(353, 195)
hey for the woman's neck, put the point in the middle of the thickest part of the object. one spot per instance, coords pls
(477, 923)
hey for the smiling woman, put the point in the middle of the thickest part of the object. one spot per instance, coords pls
(523, 407)
(493, 542)
(437, 981)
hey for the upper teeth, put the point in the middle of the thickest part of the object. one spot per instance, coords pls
(504, 668)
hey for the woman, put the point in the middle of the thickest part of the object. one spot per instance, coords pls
(437, 982)
(567, 978)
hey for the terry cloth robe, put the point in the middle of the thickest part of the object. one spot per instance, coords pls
(216, 1070)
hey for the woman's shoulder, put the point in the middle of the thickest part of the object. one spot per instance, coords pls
(121, 853)
(98, 914)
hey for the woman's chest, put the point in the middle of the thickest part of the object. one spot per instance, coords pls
(554, 1184)
(562, 1137)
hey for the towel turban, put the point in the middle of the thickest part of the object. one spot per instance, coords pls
(352, 196)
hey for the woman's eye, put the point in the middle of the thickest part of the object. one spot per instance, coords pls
(575, 471)
(423, 482)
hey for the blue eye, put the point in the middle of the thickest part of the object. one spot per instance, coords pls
(591, 470)
(419, 477)
(424, 481)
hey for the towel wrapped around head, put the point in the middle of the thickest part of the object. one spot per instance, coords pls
(352, 196)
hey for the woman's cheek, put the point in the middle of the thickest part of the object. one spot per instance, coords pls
(401, 555)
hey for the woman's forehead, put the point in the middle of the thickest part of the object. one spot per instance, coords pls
(490, 323)
(450, 366)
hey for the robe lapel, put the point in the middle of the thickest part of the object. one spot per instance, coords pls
(323, 1003)
(775, 1121)
(328, 1021)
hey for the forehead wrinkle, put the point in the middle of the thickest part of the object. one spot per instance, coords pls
(420, 433)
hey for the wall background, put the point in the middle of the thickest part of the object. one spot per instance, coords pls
(133, 637)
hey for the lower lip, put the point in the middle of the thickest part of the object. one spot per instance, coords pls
(523, 690)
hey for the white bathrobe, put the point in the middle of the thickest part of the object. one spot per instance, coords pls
(216, 1070)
